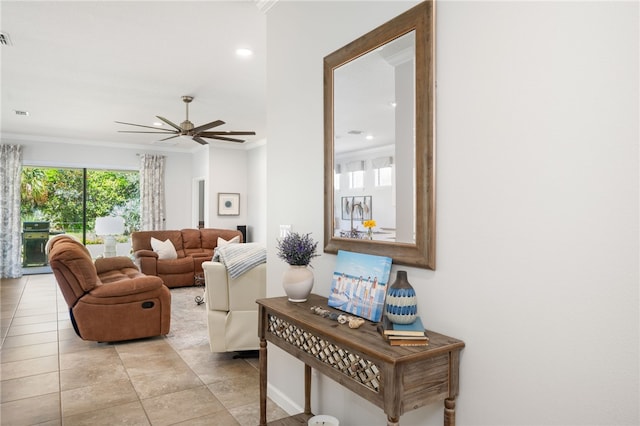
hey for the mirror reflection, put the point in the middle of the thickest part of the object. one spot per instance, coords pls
(373, 132)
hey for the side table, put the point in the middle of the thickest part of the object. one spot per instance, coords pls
(397, 379)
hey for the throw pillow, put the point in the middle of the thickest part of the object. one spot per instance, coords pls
(165, 249)
(222, 242)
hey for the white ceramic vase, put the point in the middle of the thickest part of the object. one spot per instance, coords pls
(297, 282)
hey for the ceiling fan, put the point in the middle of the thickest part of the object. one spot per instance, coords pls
(186, 128)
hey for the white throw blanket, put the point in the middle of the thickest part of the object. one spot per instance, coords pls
(239, 258)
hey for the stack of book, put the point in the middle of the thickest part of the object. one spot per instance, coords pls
(412, 334)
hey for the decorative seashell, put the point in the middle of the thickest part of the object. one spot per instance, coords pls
(355, 322)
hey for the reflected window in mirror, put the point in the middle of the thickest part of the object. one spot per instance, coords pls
(355, 171)
(336, 178)
(382, 171)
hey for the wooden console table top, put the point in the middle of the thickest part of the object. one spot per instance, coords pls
(396, 378)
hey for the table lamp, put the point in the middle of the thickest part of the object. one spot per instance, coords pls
(109, 227)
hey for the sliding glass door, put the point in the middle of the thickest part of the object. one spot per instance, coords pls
(67, 200)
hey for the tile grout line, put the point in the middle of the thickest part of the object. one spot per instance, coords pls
(55, 283)
(13, 314)
(126, 370)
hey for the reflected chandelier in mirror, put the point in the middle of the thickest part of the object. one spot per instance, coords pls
(379, 139)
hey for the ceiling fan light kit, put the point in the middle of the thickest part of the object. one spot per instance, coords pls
(187, 129)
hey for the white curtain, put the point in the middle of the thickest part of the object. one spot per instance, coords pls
(355, 166)
(380, 162)
(152, 205)
(10, 244)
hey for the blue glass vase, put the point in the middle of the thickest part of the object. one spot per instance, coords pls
(402, 304)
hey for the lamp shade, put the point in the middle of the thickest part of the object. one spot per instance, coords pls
(112, 225)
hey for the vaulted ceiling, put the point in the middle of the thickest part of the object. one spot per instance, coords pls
(71, 69)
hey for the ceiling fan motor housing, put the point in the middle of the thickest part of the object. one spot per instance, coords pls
(186, 126)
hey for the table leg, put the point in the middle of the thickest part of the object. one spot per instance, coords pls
(450, 412)
(263, 381)
(307, 389)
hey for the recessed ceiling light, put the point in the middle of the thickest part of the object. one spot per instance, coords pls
(158, 123)
(393, 104)
(369, 137)
(243, 52)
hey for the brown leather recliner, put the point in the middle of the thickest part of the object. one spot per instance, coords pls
(109, 300)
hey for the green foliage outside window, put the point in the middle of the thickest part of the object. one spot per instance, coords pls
(56, 196)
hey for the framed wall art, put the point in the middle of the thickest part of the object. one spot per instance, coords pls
(228, 204)
(358, 206)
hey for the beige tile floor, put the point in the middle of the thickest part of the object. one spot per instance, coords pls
(49, 376)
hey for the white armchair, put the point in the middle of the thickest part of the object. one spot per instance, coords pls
(232, 312)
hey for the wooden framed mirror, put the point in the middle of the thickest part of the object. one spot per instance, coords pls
(379, 136)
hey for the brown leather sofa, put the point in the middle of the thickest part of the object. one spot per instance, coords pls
(193, 246)
(109, 300)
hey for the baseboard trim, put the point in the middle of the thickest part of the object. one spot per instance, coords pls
(283, 401)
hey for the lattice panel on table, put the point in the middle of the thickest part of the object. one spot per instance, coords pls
(352, 365)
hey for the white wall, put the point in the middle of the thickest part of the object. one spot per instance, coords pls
(227, 174)
(537, 203)
(257, 194)
(178, 181)
(200, 170)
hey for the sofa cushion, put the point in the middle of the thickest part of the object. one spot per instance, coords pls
(78, 265)
(123, 287)
(209, 236)
(191, 239)
(176, 266)
(105, 264)
(222, 242)
(165, 249)
(124, 274)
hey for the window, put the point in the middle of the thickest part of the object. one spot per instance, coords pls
(336, 177)
(382, 171)
(383, 176)
(70, 199)
(356, 174)
(356, 179)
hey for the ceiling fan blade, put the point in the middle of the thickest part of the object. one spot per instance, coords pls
(140, 125)
(222, 138)
(197, 133)
(230, 133)
(168, 132)
(200, 140)
(175, 126)
(207, 126)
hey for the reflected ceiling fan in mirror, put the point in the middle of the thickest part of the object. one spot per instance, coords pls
(186, 128)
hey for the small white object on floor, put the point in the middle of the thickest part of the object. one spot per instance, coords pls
(323, 420)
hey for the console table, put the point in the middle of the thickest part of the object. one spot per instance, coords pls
(396, 378)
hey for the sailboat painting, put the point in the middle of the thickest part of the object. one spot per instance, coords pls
(359, 284)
